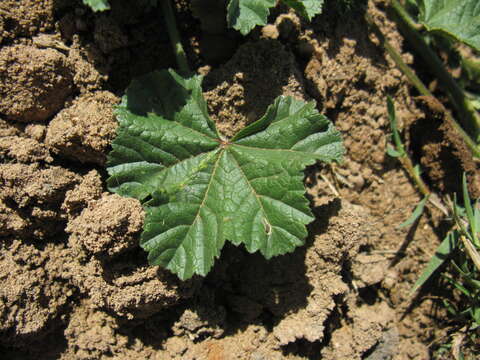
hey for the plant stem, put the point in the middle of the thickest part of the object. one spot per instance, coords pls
(404, 68)
(468, 115)
(422, 89)
(408, 165)
(175, 40)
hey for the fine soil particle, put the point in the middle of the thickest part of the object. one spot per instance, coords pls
(34, 83)
(84, 130)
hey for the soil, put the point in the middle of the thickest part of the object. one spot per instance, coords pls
(75, 283)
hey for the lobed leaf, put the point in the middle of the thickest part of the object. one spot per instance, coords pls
(244, 15)
(306, 8)
(457, 18)
(200, 189)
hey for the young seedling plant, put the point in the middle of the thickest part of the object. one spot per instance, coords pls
(461, 246)
(200, 189)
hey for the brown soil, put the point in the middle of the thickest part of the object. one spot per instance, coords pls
(34, 83)
(75, 283)
(443, 154)
(84, 130)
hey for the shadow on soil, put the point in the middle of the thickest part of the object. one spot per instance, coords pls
(242, 289)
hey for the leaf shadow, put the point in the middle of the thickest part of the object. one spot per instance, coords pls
(158, 92)
(242, 290)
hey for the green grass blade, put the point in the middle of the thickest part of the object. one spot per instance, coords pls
(468, 204)
(392, 152)
(443, 251)
(416, 213)
(393, 125)
(472, 215)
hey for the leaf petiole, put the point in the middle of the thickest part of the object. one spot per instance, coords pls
(174, 35)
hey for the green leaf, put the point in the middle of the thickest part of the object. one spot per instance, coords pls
(102, 5)
(416, 213)
(444, 250)
(475, 312)
(200, 189)
(97, 5)
(392, 152)
(393, 125)
(306, 8)
(244, 15)
(469, 210)
(457, 18)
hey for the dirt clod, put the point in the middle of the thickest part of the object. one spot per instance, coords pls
(88, 64)
(90, 188)
(32, 294)
(23, 150)
(124, 284)
(36, 131)
(84, 130)
(108, 35)
(129, 289)
(34, 194)
(25, 17)
(443, 153)
(34, 83)
(116, 228)
(368, 325)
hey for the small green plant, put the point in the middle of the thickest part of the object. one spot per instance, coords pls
(461, 246)
(201, 189)
(398, 151)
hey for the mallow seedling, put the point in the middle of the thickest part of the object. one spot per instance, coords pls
(199, 188)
